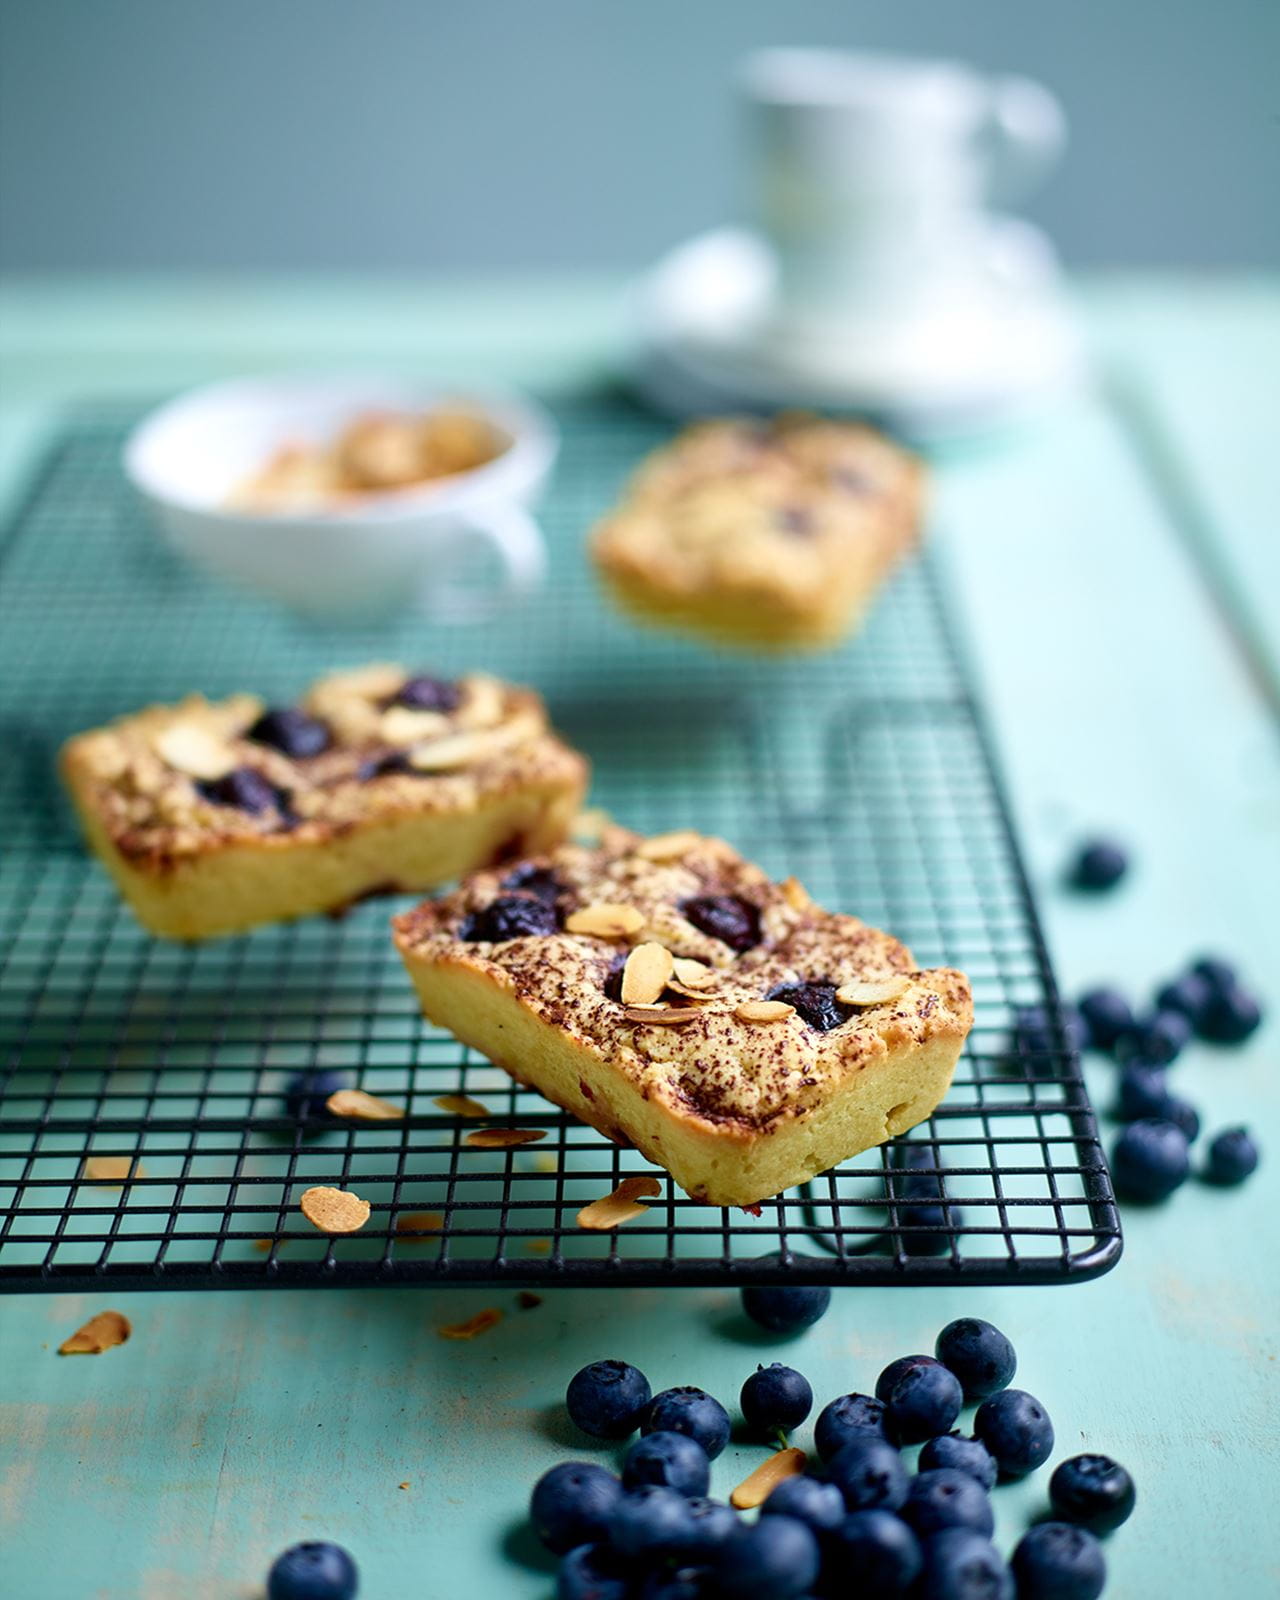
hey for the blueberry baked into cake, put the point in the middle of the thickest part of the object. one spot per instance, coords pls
(216, 816)
(671, 995)
(773, 535)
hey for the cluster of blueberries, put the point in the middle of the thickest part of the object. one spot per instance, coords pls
(862, 1522)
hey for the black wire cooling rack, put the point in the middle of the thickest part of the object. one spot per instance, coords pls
(867, 773)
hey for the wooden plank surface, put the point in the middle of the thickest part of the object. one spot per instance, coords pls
(1125, 695)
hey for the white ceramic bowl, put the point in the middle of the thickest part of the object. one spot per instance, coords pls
(409, 547)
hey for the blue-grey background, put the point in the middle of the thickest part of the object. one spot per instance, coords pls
(424, 135)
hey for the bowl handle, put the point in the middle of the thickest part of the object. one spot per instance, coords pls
(455, 591)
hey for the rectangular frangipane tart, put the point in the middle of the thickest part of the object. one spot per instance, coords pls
(670, 994)
(216, 816)
(773, 535)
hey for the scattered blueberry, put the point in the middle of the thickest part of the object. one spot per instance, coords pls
(1099, 864)
(650, 1521)
(1094, 1491)
(775, 1397)
(870, 1474)
(673, 1460)
(293, 733)
(541, 882)
(1059, 1561)
(510, 916)
(964, 1455)
(313, 1570)
(961, 1565)
(1158, 1039)
(1232, 1157)
(784, 1309)
(819, 1506)
(924, 1401)
(775, 1558)
(1017, 1431)
(711, 1523)
(1141, 1091)
(979, 1355)
(245, 789)
(848, 1417)
(607, 1398)
(1216, 972)
(592, 1572)
(571, 1504)
(306, 1092)
(1190, 994)
(1230, 1017)
(816, 1003)
(875, 1553)
(943, 1497)
(897, 1370)
(1150, 1159)
(1183, 1115)
(427, 694)
(690, 1411)
(1107, 1015)
(727, 917)
(1036, 1036)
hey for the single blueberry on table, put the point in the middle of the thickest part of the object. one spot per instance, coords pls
(775, 1397)
(292, 732)
(571, 1504)
(964, 1455)
(942, 1497)
(510, 916)
(427, 694)
(672, 1460)
(1150, 1159)
(650, 1521)
(1232, 1157)
(711, 1522)
(593, 1572)
(818, 1505)
(784, 1308)
(1230, 1017)
(1059, 1561)
(848, 1417)
(979, 1354)
(870, 1474)
(1141, 1091)
(306, 1092)
(897, 1370)
(1158, 1039)
(961, 1565)
(1190, 994)
(313, 1570)
(1036, 1039)
(1017, 1431)
(1099, 864)
(727, 917)
(607, 1398)
(874, 1553)
(815, 1002)
(1094, 1491)
(924, 1401)
(775, 1558)
(1107, 1015)
(691, 1411)
(245, 789)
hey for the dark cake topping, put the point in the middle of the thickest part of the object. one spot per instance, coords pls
(816, 1003)
(541, 882)
(727, 917)
(292, 732)
(427, 694)
(510, 916)
(247, 790)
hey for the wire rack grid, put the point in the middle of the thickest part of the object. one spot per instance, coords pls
(867, 773)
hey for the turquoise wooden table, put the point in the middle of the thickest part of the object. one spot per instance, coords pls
(1118, 576)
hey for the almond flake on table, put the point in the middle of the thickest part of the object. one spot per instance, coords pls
(473, 1326)
(461, 1105)
(112, 1172)
(755, 1489)
(359, 1106)
(103, 1332)
(621, 1206)
(411, 1222)
(503, 1138)
(334, 1210)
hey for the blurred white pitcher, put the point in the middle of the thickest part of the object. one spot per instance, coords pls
(873, 175)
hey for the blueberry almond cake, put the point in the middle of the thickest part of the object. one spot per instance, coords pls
(214, 816)
(772, 535)
(671, 995)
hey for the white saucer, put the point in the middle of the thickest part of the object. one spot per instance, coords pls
(709, 337)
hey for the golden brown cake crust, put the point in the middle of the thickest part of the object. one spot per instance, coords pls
(767, 533)
(732, 1074)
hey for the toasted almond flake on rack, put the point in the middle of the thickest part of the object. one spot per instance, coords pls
(334, 1210)
(503, 1138)
(620, 1206)
(693, 974)
(763, 1011)
(403, 725)
(661, 1016)
(193, 750)
(264, 1247)
(412, 1222)
(669, 846)
(537, 1247)
(645, 975)
(461, 1105)
(795, 894)
(362, 1107)
(873, 991)
(605, 920)
(544, 1161)
(473, 1326)
(755, 1489)
(113, 1172)
(103, 1332)
(527, 1300)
